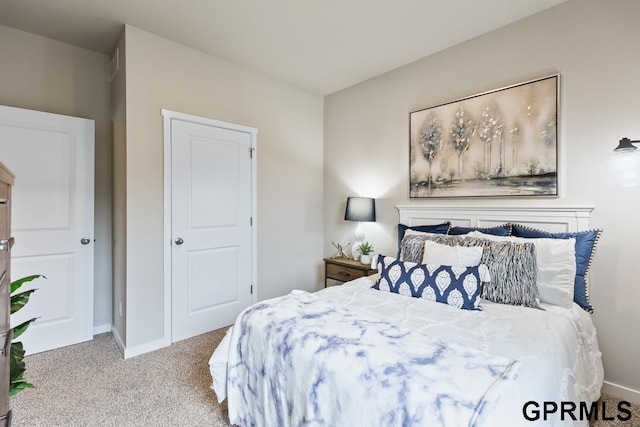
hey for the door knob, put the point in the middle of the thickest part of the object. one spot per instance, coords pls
(179, 241)
(5, 245)
(85, 241)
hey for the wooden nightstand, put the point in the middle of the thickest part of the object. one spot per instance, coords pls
(343, 269)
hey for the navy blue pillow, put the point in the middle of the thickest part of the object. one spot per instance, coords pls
(500, 230)
(434, 228)
(586, 242)
(456, 286)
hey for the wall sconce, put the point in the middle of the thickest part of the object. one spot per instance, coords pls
(361, 209)
(622, 167)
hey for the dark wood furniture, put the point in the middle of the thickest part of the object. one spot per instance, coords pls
(6, 181)
(343, 270)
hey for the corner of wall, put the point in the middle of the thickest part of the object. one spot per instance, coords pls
(119, 134)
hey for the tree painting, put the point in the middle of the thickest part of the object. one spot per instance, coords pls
(549, 137)
(498, 143)
(490, 128)
(462, 127)
(515, 140)
(430, 140)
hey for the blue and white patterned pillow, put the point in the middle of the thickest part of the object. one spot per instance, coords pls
(453, 285)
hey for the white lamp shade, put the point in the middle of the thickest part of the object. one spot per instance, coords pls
(622, 168)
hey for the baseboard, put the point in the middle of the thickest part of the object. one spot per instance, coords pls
(97, 330)
(116, 336)
(145, 348)
(138, 349)
(621, 392)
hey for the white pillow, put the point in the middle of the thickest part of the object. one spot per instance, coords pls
(439, 254)
(410, 232)
(556, 266)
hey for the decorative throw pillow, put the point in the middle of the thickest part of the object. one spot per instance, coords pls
(512, 266)
(457, 286)
(439, 254)
(556, 267)
(433, 228)
(412, 245)
(586, 242)
(513, 271)
(500, 230)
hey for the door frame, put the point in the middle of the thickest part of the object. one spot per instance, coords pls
(168, 117)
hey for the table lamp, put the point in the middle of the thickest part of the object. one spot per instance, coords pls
(359, 209)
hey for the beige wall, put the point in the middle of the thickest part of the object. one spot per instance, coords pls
(46, 75)
(593, 45)
(163, 74)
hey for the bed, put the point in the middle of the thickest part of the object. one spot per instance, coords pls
(362, 354)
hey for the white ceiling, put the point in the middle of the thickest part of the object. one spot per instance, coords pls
(319, 45)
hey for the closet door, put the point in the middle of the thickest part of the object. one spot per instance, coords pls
(52, 157)
(211, 226)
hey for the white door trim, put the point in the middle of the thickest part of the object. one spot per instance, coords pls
(168, 116)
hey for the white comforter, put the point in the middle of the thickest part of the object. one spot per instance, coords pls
(351, 355)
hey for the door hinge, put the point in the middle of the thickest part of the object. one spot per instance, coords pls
(251, 221)
(251, 150)
(251, 289)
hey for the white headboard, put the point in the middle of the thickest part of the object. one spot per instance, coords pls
(550, 218)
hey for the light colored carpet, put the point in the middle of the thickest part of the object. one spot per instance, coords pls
(90, 384)
(611, 408)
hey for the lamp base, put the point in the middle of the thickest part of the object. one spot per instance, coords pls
(355, 251)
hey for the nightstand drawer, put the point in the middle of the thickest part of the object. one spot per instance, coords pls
(343, 273)
(344, 270)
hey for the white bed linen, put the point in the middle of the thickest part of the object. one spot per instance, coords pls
(556, 348)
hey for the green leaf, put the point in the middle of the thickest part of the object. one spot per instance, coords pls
(16, 349)
(366, 248)
(19, 300)
(17, 387)
(19, 374)
(16, 363)
(19, 330)
(17, 366)
(17, 283)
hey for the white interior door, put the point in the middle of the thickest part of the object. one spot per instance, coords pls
(211, 226)
(52, 157)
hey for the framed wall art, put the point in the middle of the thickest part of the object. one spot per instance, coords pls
(498, 143)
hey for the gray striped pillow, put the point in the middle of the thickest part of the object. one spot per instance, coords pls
(512, 266)
(412, 246)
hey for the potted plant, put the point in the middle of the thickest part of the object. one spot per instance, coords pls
(366, 249)
(17, 366)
